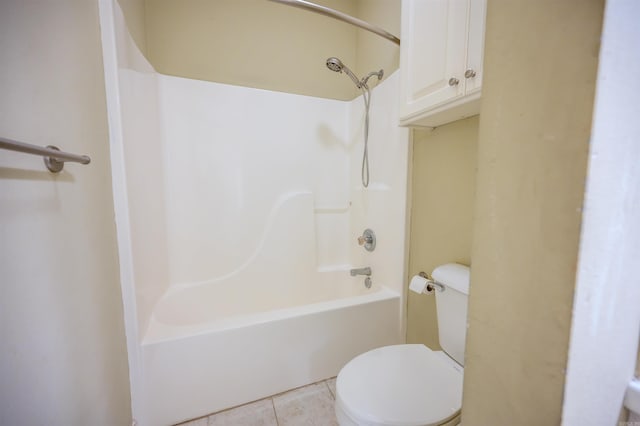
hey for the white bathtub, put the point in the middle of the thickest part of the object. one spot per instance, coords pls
(202, 354)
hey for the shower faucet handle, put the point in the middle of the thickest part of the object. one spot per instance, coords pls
(362, 240)
(368, 240)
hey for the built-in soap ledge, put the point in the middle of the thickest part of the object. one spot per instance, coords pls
(374, 186)
(331, 209)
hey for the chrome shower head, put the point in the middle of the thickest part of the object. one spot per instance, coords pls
(335, 64)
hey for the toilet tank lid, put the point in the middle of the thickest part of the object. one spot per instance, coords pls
(453, 275)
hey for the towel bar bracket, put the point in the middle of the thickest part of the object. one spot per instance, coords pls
(54, 165)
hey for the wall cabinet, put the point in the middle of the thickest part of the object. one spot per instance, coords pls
(440, 60)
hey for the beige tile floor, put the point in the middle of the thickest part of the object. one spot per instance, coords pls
(310, 405)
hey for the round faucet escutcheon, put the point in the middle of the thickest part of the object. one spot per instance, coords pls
(368, 240)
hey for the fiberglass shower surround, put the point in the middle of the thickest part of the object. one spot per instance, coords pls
(241, 240)
(266, 266)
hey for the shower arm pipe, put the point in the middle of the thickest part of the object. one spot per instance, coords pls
(340, 16)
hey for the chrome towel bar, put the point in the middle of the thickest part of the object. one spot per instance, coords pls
(54, 159)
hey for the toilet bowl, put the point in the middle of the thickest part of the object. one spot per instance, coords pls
(411, 385)
(401, 385)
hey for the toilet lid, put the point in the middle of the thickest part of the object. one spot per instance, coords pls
(404, 385)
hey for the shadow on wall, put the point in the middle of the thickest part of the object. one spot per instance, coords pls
(329, 138)
(444, 169)
(42, 175)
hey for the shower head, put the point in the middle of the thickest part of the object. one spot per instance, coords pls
(335, 64)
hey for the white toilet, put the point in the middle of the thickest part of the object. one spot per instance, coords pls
(411, 385)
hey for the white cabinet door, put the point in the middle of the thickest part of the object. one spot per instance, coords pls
(440, 60)
(475, 46)
(434, 39)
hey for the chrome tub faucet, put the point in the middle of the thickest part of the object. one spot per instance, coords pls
(361, 271)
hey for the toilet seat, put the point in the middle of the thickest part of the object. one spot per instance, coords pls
(400, 385)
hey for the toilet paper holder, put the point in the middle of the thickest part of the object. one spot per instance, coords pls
(431, 283)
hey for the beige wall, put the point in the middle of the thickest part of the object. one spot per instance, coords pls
(540, 69)
(134, 14)
(443, 179)
(253, 43)
(372, 51)
(257, 43)
(63, 356)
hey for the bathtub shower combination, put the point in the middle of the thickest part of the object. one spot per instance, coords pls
(238, 212)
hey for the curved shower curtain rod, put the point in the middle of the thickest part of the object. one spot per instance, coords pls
(322, 10)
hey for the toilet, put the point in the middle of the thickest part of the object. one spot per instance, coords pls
(411, 384)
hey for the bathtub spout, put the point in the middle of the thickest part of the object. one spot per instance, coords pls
(361, 271)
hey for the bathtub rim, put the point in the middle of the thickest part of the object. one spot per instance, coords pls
(158, 332)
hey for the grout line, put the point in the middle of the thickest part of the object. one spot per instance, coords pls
(233, 408)
(326, 382)
(331, 391)
(299, 387)
(257, 400)
(275, 413)
(186, 422)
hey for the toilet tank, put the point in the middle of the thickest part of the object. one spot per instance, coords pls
(451, 305)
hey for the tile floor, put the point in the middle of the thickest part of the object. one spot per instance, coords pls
(309, 405)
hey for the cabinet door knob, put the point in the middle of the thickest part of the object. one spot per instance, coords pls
(453, 81)
(469, 73)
